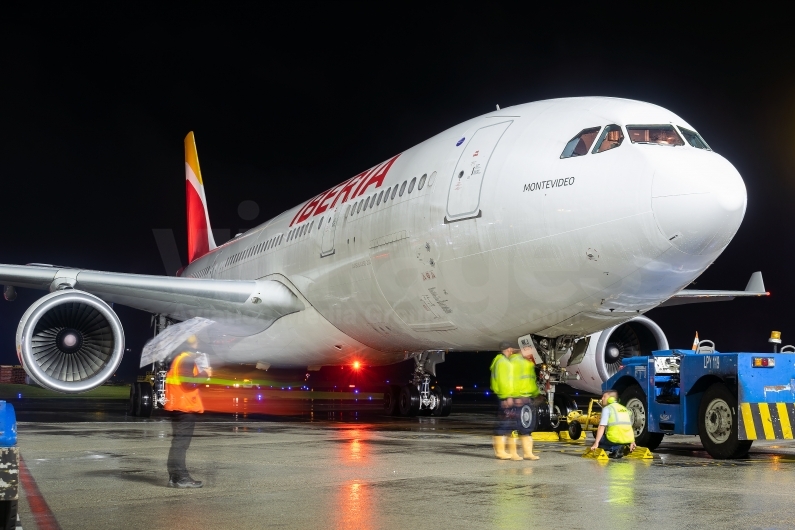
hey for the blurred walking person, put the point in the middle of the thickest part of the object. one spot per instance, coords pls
(502, 381)
(525, 389)
(184, 403)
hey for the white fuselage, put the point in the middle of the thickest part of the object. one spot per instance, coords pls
(504, 238)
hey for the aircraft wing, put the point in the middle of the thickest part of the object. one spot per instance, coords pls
(755, 287)
(247, 306)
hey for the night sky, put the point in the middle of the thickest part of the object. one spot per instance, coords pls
(288, 101)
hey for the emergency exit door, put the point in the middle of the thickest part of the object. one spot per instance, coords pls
(330, 227)
(463, 199)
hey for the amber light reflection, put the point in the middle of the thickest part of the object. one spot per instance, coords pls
(355, 499)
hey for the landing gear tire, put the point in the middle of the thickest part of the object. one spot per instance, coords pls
(634, 398)
(391, 400)
(718, 424)
(143, 400)
(563, 406)
(133, 398)
(445, 402)
(409, 401)
(575, 430)
(528, 417)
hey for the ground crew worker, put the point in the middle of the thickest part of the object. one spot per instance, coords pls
(525, 389)
(615, 430)
(502, 386)
(184, 402)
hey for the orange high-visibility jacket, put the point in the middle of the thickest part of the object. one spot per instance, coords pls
(178, 398)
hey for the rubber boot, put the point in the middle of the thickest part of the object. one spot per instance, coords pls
(527, 448)
(499, 448)
(512, 449)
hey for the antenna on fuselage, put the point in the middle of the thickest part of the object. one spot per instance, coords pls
(498, 107)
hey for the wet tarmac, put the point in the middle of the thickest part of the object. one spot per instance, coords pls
(348, 467)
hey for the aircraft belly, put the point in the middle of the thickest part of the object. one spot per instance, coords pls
(308, 339)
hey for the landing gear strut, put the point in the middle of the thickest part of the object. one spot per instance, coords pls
(553, 412)
(419, 396)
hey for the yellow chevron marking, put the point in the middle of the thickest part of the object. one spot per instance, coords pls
(748, 421)
(767, 422)
(786, 428)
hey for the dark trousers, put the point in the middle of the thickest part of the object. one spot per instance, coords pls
(506, 419)
(609, 446)
(182, 426)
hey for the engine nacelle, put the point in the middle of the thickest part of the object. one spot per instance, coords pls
(606, 349)
(70, 341)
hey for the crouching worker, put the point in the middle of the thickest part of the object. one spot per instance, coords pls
(525, 389)
(502, 385)
(615, 431)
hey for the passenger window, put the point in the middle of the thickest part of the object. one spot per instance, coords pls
(694, 139)
(320, 223)
(359, 207)
(654, 134)
(394, 191)
(422, 181)
(403, 188)
(310, 226)
(386, 194)
(380, 196)
(610, 139)
(366, 203)
(303, 230)
(411, 186)
(580, 144)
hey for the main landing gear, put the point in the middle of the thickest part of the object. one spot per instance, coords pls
(148, 395)
(419, 397)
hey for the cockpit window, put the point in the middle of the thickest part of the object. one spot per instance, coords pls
(654, 134)
(610, 139)
(694, 139)
(580, 144)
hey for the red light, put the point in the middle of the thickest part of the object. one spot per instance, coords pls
(356, 365)
(351, 386)
(764, 362)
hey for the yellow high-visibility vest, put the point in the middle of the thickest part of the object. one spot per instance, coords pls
(502, 377)
(619, 424)
(524, 376)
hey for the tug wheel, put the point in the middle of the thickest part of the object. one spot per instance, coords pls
(718, 424)
(634, 398)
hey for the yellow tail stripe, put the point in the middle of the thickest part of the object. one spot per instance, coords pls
(748, 421)
(783, 416)
(767, 422)
(192, 157)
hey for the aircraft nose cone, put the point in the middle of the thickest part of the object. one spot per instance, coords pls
(699, 201)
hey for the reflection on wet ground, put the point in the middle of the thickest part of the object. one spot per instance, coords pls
(347, 466)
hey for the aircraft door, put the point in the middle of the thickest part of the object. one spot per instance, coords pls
(329, 229)
(463, 199)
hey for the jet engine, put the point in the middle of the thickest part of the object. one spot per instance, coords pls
(600, 356)
(70, 341)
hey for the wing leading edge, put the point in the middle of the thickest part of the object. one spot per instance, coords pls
(244, 306)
